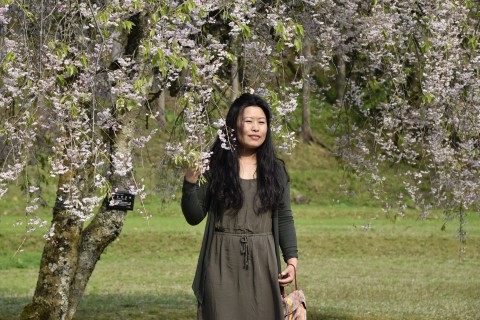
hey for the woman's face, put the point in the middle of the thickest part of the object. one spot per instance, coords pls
(252, 128)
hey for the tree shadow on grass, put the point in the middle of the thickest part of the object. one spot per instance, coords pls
(139, 307)
(165, 305)
(10, 307)
(111, 307)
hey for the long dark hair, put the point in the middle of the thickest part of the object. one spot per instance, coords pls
(224, 165)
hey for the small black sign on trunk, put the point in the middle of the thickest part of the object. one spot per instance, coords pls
(121, 200)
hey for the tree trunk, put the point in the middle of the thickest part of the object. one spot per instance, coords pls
(234, 70)
(235, 78)
(70, 257)
(106, 226)
(307, 134)
(341, 77)
(58, 264)
(157, 102)
(161, 109)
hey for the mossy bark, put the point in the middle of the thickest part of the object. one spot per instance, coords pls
(58, 264)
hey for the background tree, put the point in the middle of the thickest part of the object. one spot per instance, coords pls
(401, 79)
(411, 93)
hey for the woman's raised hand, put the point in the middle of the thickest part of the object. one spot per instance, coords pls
(192, 175)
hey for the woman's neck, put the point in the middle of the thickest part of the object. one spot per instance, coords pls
(248, 166)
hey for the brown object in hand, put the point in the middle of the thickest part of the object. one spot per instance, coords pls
(294, 304)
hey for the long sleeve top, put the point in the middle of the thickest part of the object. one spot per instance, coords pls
(197, 203)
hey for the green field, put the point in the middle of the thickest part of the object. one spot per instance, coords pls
(407, 269)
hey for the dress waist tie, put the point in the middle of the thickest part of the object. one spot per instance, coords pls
(244, 251)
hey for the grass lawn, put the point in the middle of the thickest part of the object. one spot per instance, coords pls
(407, 269)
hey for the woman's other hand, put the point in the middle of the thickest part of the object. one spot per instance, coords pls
(287, 276)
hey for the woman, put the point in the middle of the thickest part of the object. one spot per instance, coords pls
(247, 198)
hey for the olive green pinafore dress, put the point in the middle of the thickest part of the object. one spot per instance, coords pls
(242, 275)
